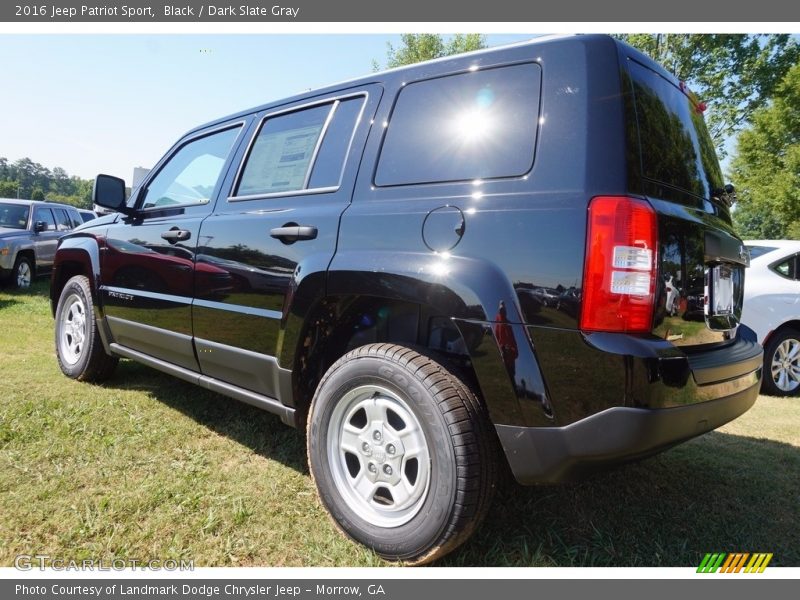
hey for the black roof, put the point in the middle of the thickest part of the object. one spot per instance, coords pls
(383, 76)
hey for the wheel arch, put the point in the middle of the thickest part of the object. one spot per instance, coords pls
(75, 256)
(449, 302)
(29, 253)
(790, 324)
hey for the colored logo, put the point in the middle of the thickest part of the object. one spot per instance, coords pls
(735, 563)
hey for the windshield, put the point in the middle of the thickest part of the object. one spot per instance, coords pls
(14, 216)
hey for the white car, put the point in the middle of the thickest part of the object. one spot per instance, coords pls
(772, 310)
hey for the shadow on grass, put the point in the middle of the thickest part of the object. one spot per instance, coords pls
(718, 493)
(39, 287)
(5, 303)
(262, 432)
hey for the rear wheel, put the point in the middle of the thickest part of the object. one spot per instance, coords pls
(782, 364)
(23, 272)
(79, 348)
(401, 451)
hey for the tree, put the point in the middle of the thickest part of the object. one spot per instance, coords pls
(37, 194)
(733, 74)
(766, 167)
(416, 47)
(8, 189)
(60, 183)
(24, 178)
(72, 200)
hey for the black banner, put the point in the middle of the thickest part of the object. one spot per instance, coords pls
(305, 11)
(392, 589)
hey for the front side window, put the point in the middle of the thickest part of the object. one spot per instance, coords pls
(192, 173)
(44, 215)
(476, 125)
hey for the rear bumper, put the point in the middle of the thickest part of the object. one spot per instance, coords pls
(616, 435)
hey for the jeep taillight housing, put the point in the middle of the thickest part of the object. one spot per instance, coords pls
(619, 277)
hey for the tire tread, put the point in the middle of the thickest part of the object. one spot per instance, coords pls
(474, 441)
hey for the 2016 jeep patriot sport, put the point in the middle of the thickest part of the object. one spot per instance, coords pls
(529, 245)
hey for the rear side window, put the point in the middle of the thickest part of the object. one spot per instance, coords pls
(75, 217)
(787, 268)
(476, 125)
(301, 150)
(676, 149)
(63, 222)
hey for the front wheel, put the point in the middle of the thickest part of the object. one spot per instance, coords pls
(401, 452)
(782, 364)
(79, 348)
(23, 272)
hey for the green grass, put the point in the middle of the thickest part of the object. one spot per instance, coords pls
(147, 466)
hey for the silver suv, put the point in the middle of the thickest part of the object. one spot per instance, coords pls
(29, 233)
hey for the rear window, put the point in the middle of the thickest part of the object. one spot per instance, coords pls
(676, 149)
(476, 125)
(756, 251)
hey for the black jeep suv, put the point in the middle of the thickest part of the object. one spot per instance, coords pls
(362, 260)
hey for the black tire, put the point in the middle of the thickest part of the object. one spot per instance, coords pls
(79, 348)
(423, 405)
(22, 275)
(781, 375)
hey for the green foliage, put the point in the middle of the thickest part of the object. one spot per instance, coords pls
(417, 47)
(8, 189)
(734, 74)
(72, 200)
(27, 179)
(766, 167)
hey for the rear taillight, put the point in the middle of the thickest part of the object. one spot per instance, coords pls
(619, 277)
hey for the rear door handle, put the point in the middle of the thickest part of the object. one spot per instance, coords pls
(176, 235)
(289, 234)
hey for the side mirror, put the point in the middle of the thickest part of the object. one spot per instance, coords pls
(39, 226)
(109, 192)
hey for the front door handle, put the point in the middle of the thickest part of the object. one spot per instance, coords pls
(289, 234)
(176, 235)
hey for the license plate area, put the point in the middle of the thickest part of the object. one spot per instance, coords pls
(720, 307)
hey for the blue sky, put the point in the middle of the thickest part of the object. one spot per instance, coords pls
(108, 103)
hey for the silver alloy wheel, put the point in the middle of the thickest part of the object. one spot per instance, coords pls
(379, 456)
(786, 365)
(23, 274)
(72, 329)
